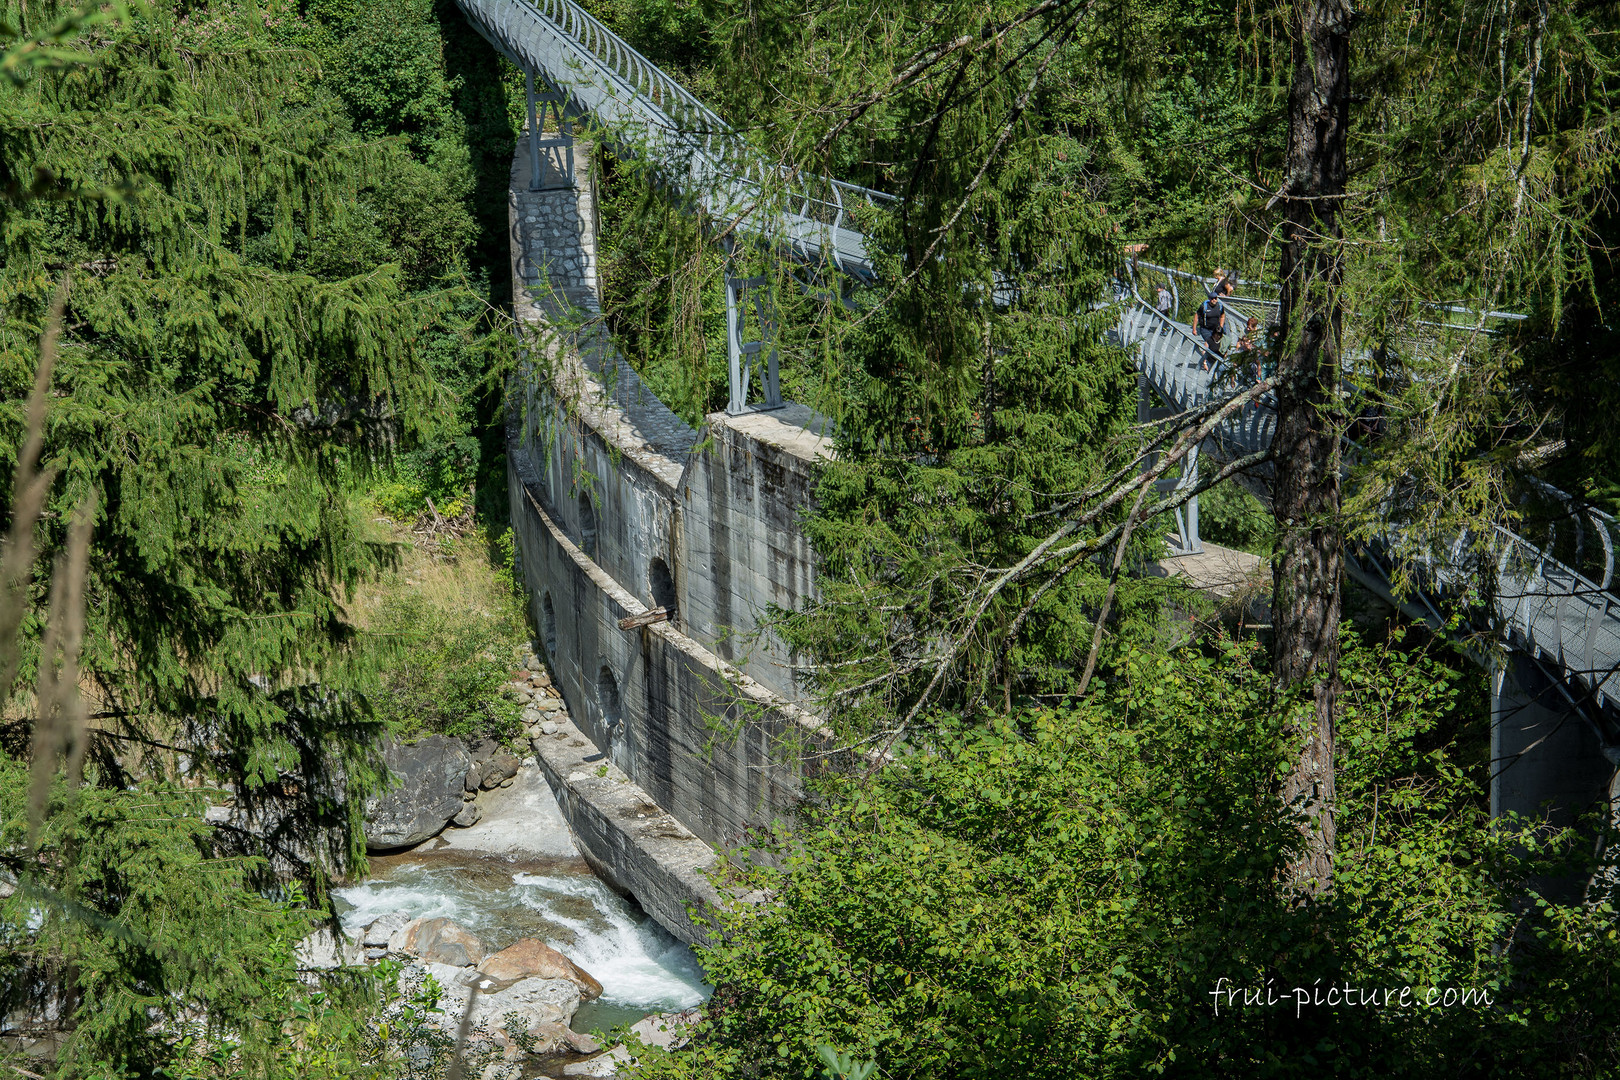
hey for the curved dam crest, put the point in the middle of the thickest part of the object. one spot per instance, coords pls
(686, 734)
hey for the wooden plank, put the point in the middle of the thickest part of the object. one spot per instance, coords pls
(657, 614)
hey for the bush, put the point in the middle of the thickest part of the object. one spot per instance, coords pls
(1230, 516)
(443, 472)
(1057, 896)
(454, 628)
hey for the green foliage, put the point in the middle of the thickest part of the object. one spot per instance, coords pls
(140, 920)
(1058, 894)
(970, 392)
(842, 1066)
(269, 291)
(212, 400)
(1229, 515)
(444, 472)
(663, 293)
(455, 626)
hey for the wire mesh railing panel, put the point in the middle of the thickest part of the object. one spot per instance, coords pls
(641, 106)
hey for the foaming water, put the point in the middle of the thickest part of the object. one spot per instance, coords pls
(516, 875)
(368, 902)
(635, 959)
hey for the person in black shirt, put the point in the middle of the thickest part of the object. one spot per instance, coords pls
(1211, 325)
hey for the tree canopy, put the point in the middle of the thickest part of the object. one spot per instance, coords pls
(246, 237)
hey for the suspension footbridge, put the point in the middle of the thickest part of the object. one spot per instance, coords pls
(1556, 696)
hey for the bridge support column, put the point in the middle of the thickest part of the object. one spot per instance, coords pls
(551, 161)
(1187, 514)
(741, 294)
(1547, 760)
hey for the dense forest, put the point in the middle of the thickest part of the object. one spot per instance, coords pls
(256, 289)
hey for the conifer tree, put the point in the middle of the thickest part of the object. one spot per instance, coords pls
(236, 346)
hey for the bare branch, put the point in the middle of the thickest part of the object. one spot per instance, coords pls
(29, 487)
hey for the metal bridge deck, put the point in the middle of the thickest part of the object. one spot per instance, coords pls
(1551, 610)
(1547, 608)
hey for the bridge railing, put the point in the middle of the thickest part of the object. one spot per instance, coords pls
(649, 113)
(1555, 591)
(1544, 605)
(1169, 359)
(1262, 300)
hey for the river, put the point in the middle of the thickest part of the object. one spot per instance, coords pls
(516, 874)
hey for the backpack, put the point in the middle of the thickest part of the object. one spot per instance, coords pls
(1209, 314)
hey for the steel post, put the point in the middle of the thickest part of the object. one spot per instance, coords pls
(536, 173)
(741, 294)
(1190, 472)
(1548, 764)
(737, 371)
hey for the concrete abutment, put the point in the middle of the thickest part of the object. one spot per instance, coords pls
(620, 507)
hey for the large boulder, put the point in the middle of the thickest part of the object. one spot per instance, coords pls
(437, 941)
(555, 1038)
(431, 774)
(535, 1012)
(532, 958)
(499, 769)
(529, 1003)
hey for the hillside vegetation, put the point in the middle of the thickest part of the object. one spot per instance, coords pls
(252, 239)
(254, 334)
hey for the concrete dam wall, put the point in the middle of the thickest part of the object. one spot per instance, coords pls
(688, 731)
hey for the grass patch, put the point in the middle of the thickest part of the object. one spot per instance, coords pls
(453, 615)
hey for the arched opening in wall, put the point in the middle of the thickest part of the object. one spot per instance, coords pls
(587, 525)
(548, 629)
(607, 696)
(607, 700)
(663, 587)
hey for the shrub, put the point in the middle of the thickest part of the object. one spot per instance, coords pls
(454, 627)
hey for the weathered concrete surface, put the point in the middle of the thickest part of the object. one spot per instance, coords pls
(716, 747)
(630, 841)
(618, 507)
(741, 501)
(1221, 570)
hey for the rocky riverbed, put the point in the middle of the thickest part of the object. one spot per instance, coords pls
(494, 894)
(513, 887)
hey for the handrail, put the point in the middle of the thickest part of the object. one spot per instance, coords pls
(1207, 282)
(647, 111)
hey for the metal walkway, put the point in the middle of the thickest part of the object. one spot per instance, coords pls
(646, 114)
(1564, 617)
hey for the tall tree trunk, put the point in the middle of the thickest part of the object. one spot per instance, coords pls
(1309, 556)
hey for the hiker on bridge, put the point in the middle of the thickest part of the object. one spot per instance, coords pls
(1211, 326)
(1251, 350)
